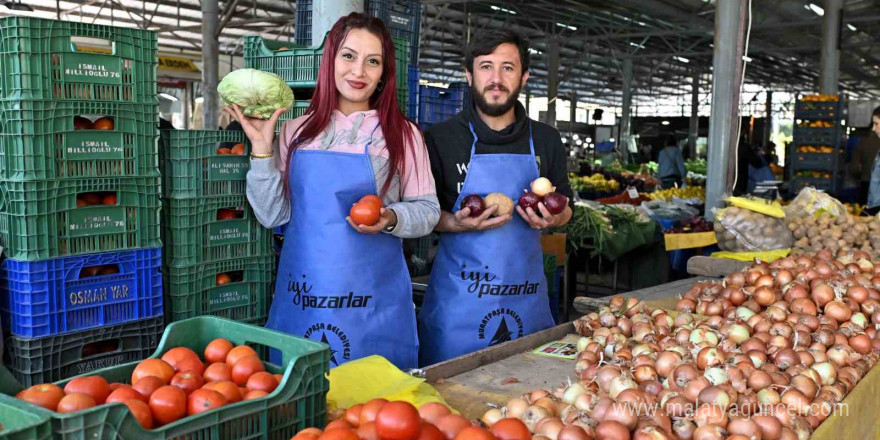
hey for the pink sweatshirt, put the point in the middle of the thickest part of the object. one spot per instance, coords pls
(412, 194)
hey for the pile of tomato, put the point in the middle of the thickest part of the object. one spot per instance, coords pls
(380, 419)
(95, 198)
(162, 391)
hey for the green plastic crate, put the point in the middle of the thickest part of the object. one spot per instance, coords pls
(298, 65)
(51, 358)
(62, 60)
(298, 109)
(300, 401)
(40, 220)
(193, 290)
(194, 235)
(38, 140)
(191, 167)
(19, 421)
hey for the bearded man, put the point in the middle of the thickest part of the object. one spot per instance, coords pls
(487, 283)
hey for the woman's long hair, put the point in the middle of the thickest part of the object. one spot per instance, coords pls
(399, 134)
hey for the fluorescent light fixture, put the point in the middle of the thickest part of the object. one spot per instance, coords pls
(747, 58)
(817, 9)
(579, 142)
(171, 98)
(851, 27)
(682, 59)
(589, 140)
(611, 140)
(576, 137)
(665, 123)
(535, 51)
(563, 25)
(499, 8)
(640, 46)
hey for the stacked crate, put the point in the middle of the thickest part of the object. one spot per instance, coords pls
(80, 287)
(218, 259)
(817, 152)
(437, 104)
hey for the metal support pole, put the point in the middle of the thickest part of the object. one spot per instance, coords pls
(768, 120)
(211, 64)
(572, 115)
(829, 74)
(724, 121)
(552, 80)
(694, 127)
(326, 13)
(623, 138)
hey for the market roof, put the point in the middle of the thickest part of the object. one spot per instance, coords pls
(668, 40)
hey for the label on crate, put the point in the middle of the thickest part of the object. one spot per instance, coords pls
(90, 293)
(96, 220)
(229, 296)
(92, 67)
(229, 232)
(399, 21)
(93, 145)
(97, 364)
(228, 167)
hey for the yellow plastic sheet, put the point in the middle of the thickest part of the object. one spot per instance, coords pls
(766, 256)
(692, 240)
(766, 207)
(373, 377)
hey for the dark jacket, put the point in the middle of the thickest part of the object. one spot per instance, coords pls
(449, 148)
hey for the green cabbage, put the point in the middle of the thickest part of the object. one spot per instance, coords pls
(258, 94)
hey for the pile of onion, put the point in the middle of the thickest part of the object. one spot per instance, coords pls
(766, 353)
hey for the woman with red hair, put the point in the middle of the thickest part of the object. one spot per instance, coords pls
(345, 284)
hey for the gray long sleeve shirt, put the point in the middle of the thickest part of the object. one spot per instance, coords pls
(411, 194)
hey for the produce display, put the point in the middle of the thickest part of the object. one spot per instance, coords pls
(814, 174)
(814, 149)
(816, 124)
(770, 354)
(688, 192)
(161, 391)
(697, 166)
(596, 182)
(820, 98)
(844, 233)
(744, 230)
(696, 224)
(624, 198)
(258, 94)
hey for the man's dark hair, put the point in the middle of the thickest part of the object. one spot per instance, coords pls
(876, 112)
(486, 43)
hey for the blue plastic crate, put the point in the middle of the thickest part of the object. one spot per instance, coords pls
(50, 297)
(817, 136)
(437, 104)
(302, 33)
(402, 18)
(825, 110)
(412, 83)
(816, 161)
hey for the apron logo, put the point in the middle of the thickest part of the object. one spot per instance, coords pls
(341, 338)
(502, 321)
(481, 284)
(300, 288)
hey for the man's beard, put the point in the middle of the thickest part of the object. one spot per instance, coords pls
(495, 110)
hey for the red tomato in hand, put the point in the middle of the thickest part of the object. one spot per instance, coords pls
(372, 198)
(364, 213)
